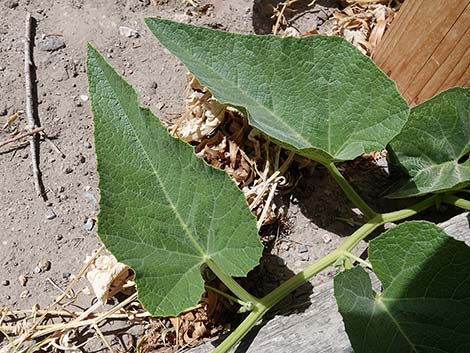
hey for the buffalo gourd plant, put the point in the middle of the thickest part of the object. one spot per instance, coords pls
(165, 212)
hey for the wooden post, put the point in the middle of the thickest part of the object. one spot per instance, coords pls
(427, 48)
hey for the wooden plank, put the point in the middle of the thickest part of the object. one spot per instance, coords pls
(320, 327)
(426, 49)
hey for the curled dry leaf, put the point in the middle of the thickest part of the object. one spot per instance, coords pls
(108, 277)
(203, 114)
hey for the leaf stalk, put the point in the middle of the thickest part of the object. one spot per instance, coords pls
(368, 212)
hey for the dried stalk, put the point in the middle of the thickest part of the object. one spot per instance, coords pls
(29, 106)
(20, 136)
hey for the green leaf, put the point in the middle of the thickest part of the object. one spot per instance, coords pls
(432, 146)
(318, 96)
(425, 303)
(163, 211)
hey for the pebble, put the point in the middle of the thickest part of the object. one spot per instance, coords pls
(24, 294)
(89, 224)
(45, 265)
(302, 249)
(50, 214)
(84, 97)
(305, 257)
(68, 170)
(59, 237)
(128, 32)
(326, 238)
(160, 106)
(66, 275)
(11, 4)
(91, 197)
(3, 111)
(87, 144)
(51, 43)
(23, 280)
(5, 282)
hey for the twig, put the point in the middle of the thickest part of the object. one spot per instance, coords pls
(53, 145)
(20, 136)
(29, 105)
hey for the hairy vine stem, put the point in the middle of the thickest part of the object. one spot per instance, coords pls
(261, 306)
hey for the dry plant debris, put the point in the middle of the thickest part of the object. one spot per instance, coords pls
(363, 23)
(222, 136)
(60, 327)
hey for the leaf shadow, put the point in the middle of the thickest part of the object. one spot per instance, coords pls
(320, 198)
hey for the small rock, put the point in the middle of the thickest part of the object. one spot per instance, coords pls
(128, 32)
(45, 265)
(50, 214)
(23, 280)
(11, 4)
(281, 261)
(302, 249)
(37, 269)
(68, 170)
(91, 197)
(24, 294)
(51, 43)
(3, 111)
(81, 158)
(5, 282)
(87, 144)
(66, 275)
(326, 238)
(59, 237)
(305, 257)
(160, 106)
(89, 224)
(84, 97)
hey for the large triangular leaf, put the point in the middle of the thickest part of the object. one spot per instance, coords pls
(433, 144)
(317, 95)
(163, 211)
(425, 304)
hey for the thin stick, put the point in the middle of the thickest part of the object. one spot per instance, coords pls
(53, 145)
(20, 136)
(29, 105)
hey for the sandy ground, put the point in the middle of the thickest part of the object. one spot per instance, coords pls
(61, 230)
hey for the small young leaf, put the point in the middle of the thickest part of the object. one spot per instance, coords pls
(425, 304)
(318, 96)
(433, 145)
(163, 211)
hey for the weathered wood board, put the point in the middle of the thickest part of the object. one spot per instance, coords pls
(319, 329)
(427, 48)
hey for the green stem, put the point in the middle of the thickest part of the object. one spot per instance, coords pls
(231, 284)
(357, 258)
(226, 295)
(368, 212)
(242, 329)
(456, 201)
(266, 303)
